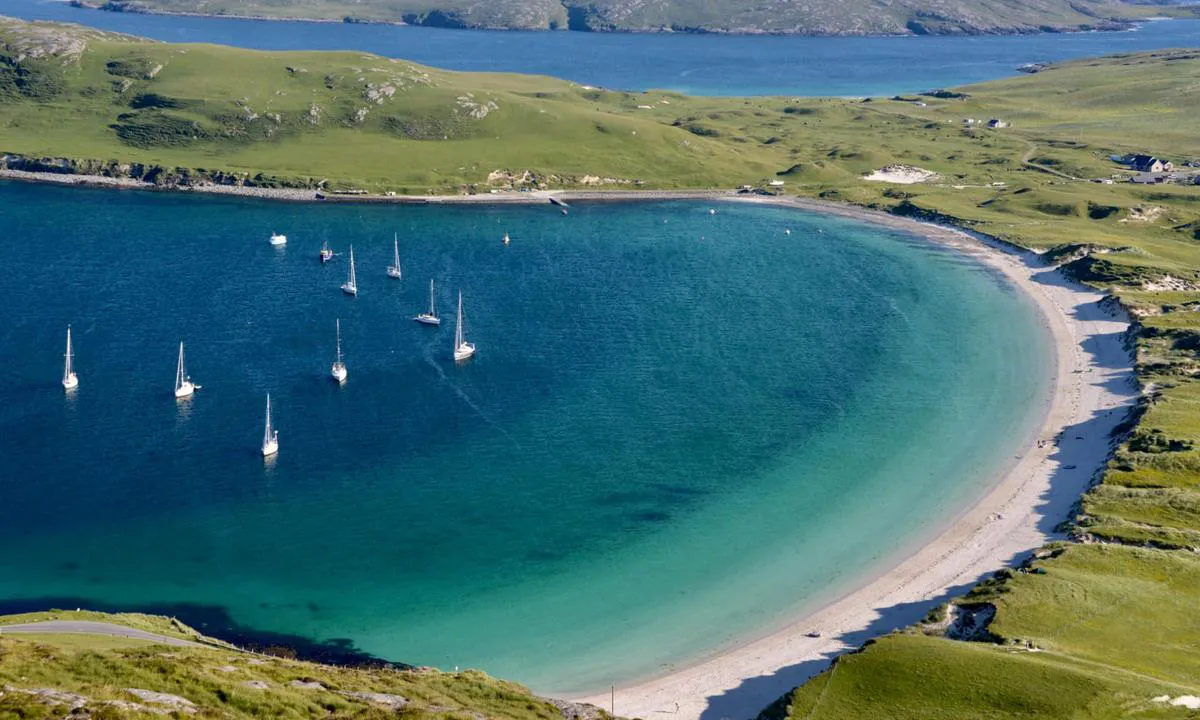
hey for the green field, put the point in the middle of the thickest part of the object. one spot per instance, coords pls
(1113, 624)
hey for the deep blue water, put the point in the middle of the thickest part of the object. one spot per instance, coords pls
(699, 64)
(668, 407)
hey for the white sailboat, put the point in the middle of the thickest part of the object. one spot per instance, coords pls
(431, 317)
(326, 253)
(507, 240)
(462, 348)
(393, 270)
(338, 370)
(184, 387)
(350, 287)
(69, 381)
(278, 240)
(270, 444)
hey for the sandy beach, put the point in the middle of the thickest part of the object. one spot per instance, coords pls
(1094, 388)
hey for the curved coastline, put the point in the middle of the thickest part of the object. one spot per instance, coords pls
(1106, 26)
(1093, 383)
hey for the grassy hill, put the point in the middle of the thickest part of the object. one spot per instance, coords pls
(1094, 628)
(810, 17)
(100, 676)
(361, 119)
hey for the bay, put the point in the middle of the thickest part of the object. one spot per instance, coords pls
(668, 407)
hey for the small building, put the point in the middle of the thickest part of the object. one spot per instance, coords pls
(1148, 178)
(997, 124)
(776, 183)
(1149, 164)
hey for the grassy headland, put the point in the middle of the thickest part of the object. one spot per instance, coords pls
(845, 17)
(1112, 615)
(53, 675)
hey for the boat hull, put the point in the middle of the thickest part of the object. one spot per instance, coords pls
(70, 382)
(428, 320)
(464, 352)
(184, 390)
(393, 273)
(350, 289)
(338, 373)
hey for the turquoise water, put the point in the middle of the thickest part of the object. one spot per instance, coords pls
(679, 428)
(696, 64)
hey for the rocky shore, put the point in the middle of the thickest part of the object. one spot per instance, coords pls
(294, 194)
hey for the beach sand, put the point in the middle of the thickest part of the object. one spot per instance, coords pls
(1094, 388)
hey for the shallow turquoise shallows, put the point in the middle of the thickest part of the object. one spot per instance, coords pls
(680, 427)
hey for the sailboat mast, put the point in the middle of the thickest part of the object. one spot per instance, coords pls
(396, 250)
(339, 341)
(267, 431)
(179, 372)
(67, 368)
(458, 329)
(432, 308)
(352, 283)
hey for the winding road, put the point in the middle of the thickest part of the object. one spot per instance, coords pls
(87, 627)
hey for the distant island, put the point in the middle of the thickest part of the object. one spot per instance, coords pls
(795, 17)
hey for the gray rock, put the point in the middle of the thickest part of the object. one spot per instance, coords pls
(393, 701)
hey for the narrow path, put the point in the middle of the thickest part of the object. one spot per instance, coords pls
(86, 627)
(1027, 162)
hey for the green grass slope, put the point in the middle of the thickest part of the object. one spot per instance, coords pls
(812, 17)
(48, 675)
(363, 120)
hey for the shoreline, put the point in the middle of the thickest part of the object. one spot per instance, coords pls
(1000, 529)
(504, 197)
(1035, 491)
(1111, 25)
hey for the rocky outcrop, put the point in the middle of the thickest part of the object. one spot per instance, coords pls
(158, 175)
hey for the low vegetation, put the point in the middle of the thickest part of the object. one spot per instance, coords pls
(57, 675)
(1095, 628)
